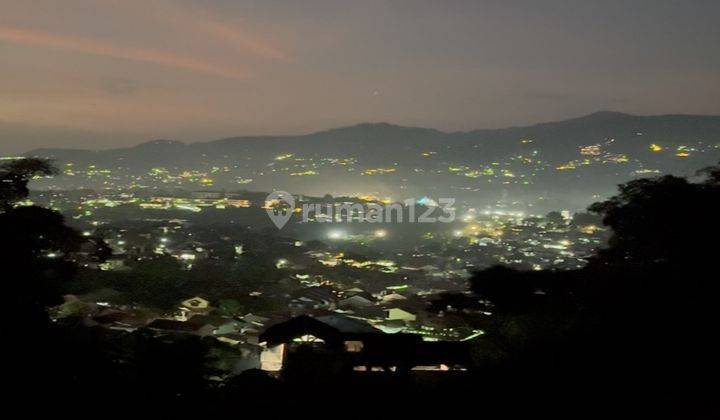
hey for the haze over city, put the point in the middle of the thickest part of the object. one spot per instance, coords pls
(360, 209)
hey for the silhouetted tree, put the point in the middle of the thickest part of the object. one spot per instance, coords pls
(14, 178)
(640, 314)
(36, 243)
(661, 220)
(555, 218)
(35, 251)
(712, 173)
(505, 287)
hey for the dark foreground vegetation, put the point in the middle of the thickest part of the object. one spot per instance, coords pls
(631, 334)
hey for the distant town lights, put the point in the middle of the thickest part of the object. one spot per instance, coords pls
(336, 234)
(656, 148)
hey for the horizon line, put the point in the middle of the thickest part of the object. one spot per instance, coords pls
(378, 123)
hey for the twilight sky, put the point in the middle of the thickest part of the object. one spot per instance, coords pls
(110, 73)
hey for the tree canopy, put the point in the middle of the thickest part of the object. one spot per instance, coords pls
(645, 301)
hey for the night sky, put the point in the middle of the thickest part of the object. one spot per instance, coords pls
(110, 73)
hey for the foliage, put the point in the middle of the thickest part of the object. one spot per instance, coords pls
(644, 301)
(661, 220)
(15, 175)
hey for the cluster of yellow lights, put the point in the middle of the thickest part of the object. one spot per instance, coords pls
(476, 229)
(373, 198)
(378, 171)
(566, 167)
(616, 158)
(683, 151)
(271, 204)
(368, 197)
(589, 229)
(592, 150)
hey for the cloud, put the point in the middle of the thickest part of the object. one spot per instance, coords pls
(37, 38)
(200, 21)
(238, 39)
(197, 20)
(119, 86)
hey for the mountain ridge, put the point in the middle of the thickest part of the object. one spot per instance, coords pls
(576, 159)
(595, 117)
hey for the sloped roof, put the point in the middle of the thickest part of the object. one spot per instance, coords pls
(347, 325)
(379, 348)
(317, 293)
(173, 325)
(285, 332)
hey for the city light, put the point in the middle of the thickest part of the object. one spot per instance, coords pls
(656, 148)
(336, 234)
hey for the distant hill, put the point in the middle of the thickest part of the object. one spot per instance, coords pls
(590, 153)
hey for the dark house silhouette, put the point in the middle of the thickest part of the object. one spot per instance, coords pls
(360, 346)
